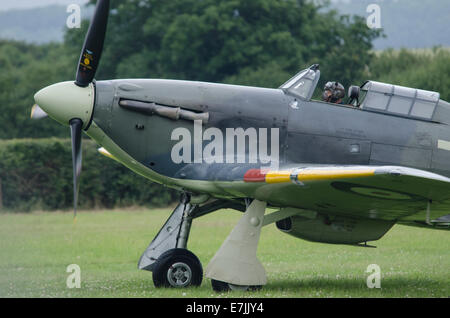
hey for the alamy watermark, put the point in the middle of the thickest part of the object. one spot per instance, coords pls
(229, 145)
(74, 19)
(74, 279)
(374, 279)
(374, 19)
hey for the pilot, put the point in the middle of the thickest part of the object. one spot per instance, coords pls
(333, 92)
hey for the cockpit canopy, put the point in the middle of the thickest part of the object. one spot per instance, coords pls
(399, 100)
(377, 97)
(303, 83)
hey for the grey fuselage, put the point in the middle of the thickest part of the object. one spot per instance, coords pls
(310, 132)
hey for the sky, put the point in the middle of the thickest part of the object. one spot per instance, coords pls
(26, 4)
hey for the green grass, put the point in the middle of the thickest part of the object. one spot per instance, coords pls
(35, 250)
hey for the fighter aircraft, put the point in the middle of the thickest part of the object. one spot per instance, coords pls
(331, 173)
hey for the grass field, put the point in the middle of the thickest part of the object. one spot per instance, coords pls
(35, 250)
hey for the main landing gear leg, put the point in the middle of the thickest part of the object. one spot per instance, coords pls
(235, 265)
(167, 257)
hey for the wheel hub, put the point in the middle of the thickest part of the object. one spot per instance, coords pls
(179, 275)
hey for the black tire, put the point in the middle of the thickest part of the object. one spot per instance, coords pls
(177, 268)
(220, 287)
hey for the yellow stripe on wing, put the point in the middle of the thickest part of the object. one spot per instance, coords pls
(306, 175)
(317, 174)
(278, 176)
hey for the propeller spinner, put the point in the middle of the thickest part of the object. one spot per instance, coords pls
(72, 103)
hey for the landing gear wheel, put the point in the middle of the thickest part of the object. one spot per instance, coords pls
(219, 286)
(177, 268)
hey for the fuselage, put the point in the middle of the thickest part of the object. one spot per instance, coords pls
(308, 132)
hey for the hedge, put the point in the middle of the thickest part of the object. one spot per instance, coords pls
(36, 174)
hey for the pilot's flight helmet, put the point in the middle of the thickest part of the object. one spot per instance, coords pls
(333, 91)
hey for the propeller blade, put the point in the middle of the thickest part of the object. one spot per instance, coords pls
(75, 129)
(93, 45)
(37, 112)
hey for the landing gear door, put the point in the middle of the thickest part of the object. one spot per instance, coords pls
(303, 84)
